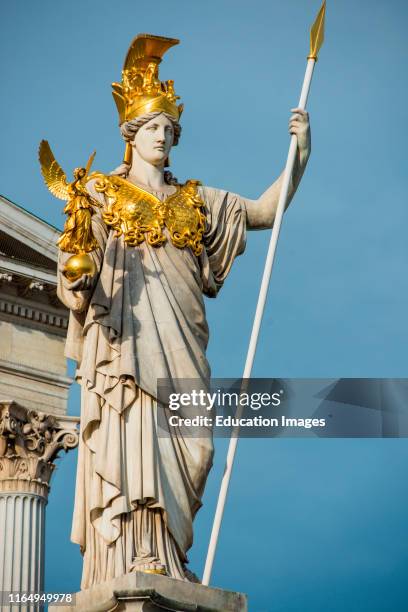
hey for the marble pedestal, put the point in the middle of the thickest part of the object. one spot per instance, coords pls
(139, 592)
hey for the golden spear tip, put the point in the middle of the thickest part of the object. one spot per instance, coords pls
(317, 33)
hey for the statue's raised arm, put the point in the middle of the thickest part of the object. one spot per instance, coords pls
(261, 212)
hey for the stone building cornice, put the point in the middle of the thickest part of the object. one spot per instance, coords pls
(40, 314)
(35, 373)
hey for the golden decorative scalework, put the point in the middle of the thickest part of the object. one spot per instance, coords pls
(138, 215)
(141, 90)
(77, 237)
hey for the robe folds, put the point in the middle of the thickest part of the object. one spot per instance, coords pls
(136, 492)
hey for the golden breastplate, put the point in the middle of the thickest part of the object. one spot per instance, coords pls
(138, 215)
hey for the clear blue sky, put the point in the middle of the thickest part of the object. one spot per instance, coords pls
(311, 524)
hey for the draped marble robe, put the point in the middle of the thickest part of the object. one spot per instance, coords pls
(136, 492)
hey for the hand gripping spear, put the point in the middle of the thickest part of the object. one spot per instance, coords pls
(316, 41)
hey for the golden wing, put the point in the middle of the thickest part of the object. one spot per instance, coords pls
(127, 192)
(54, 176)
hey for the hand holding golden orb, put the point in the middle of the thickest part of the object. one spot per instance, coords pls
(78, 265)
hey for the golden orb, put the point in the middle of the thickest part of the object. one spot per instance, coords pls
(77, 265)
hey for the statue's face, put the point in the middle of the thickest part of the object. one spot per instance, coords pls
(154, 139)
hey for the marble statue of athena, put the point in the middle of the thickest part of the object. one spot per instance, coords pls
(137, 254)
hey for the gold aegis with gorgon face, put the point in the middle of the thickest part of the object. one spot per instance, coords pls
(138, 215)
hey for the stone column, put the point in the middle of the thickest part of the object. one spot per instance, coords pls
(29, 442)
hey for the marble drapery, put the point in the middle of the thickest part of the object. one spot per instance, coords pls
(136, 492)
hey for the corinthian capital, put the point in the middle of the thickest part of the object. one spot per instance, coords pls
(29, 443)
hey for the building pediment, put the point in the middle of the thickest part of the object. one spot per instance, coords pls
(25, 227)
(28, 270)
(27, 244)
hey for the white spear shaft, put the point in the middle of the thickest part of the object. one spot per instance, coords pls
(261, 302)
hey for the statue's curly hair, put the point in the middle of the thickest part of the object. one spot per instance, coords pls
(129, 130)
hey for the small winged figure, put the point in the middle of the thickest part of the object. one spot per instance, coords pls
(77, 236)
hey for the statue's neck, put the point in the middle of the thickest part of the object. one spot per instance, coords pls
(147, 174)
